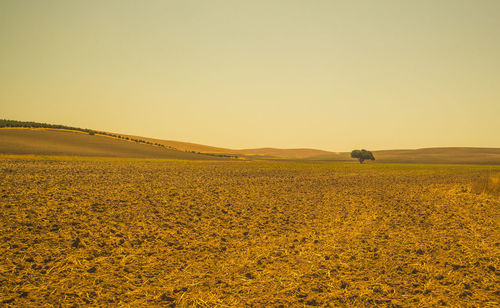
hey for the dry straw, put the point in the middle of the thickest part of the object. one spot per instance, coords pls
(254, 234)
(489, 184)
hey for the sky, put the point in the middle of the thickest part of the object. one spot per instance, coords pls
(332, 75)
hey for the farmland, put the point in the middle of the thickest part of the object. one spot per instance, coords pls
(245, 233)
(39, 141)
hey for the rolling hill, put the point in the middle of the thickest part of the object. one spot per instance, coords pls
(441, 155)
(449, 155)
(18, 137)
(185, 146)
(285, 153)
(261, 152)
(444, 155)
(40, 141)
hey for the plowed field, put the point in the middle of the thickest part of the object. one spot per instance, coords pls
(278, 234)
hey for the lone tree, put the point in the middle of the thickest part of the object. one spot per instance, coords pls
(362, 155)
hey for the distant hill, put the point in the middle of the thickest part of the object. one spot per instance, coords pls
(73, 143)
(285, 153)
(185, 146)
(447, 155)
(262, 152)
(17, 137)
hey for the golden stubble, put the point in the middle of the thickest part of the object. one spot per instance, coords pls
(150, 233)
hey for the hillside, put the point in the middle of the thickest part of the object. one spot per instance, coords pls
(261, 152)
(17, 137)
(286, 153)
(442, 155)
(169, 144)
(445, 155)
(72, 143)
(185, 146)
(450, 155)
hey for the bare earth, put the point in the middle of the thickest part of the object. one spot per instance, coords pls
(237, 234)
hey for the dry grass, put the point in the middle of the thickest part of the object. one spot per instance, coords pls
(489, 184)
(233, 234)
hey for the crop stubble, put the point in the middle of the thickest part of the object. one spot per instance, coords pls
(245, 233)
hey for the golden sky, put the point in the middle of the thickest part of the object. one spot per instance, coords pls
(334, 75)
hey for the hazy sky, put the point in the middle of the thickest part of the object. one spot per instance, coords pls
(334, 75)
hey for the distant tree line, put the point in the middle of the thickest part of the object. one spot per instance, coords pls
(13, 123)
(216, 154)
